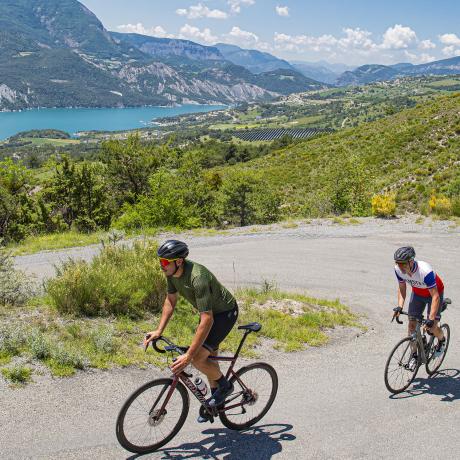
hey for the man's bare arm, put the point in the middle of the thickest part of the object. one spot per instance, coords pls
(168, 309)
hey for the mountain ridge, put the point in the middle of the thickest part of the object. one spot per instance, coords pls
(370, 73)
(56, 53)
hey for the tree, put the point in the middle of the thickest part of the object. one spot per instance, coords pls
(129, 166)
(16, 206)
(78, 195)
(245, 199)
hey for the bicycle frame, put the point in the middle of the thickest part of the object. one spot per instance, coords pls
(417, 337)
(184, 377)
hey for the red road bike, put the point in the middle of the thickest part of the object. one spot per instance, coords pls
(156, 412)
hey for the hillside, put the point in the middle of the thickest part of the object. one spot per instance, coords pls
(415, 152)
(253, 60)
(372, 73)
(56, 53)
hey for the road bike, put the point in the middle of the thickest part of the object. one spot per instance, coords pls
(156, 411)
(411, 352)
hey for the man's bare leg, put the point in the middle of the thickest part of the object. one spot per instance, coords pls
(209, 367)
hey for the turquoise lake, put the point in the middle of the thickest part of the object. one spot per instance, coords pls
(74, 120)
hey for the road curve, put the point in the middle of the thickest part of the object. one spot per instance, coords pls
(332, 402)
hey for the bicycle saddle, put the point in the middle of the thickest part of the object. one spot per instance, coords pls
(254, 327)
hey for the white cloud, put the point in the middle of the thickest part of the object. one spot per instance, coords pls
(357, 39)
(449, 39)
(357, 46)
(426, 45)
(243, 36)
(235, 5)
(398, 37)
(451, 51)
(425, 57)
(201, 11)
(189, 32)
(282, 10)
(139, 28)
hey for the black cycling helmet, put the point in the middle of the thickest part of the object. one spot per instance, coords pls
(173, 249)
(404, 254)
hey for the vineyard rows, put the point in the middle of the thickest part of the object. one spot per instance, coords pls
(272, 134)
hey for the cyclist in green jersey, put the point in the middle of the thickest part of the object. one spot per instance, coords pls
(218, 313)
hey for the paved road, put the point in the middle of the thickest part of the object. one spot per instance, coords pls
(332, 401)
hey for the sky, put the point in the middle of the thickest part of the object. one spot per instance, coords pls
(353, 32)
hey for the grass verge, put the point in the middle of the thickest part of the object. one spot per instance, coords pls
(66, 344)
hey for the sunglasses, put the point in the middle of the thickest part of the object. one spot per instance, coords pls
(165, 262)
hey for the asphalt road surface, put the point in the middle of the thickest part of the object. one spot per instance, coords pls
(332, 402)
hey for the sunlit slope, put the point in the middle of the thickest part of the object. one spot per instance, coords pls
(415, 153)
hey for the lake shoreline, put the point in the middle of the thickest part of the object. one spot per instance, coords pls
(85, 119)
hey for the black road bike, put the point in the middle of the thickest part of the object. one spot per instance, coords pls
(156, 411)
(411, 352)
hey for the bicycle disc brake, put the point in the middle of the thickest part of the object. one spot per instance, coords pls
(155, 418)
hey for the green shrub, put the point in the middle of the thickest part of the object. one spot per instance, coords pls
(103, 340)
(456, 207)
(11, 339)
(40, 347)
(384, 205)
(15, 287)
(120, 280)
(18, 374)
(65, 357)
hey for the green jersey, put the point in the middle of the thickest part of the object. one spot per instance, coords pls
(201, 288)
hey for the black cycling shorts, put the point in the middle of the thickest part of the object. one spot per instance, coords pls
(223, 324)
(418, 303)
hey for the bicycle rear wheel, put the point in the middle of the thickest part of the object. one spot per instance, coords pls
(400, 370)
(255, 386)
(434, 362)
(141, 428)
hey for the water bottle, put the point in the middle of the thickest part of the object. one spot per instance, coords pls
(201, 385)
(424, 341)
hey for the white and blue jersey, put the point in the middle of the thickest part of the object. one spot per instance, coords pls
(422, 278)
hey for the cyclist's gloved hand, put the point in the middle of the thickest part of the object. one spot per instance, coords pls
(397, 310)
(429, 323)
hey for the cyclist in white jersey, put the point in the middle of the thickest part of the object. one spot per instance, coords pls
(427, 290)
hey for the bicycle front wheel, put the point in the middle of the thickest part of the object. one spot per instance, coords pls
(434, 362)
(255, 388)
(401, 368)
(142, 425)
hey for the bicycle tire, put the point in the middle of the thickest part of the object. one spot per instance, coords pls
(437, 362)
(402, 363)
(130, 444)
(272, 391)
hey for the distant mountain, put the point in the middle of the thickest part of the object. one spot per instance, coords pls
(371, 73)
(56, 53)
(168, 47)
(316, 72)
(253, 60)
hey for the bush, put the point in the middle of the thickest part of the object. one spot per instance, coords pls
(11, 339)
(64, 357)
(456, 207)
(440, 205)
(17, 374)
(15, 287)
(103, 340)
(40, 347)
(384, 205)
(121, 280)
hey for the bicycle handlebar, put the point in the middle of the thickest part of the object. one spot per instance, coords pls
(170, 346)
(396, 317)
